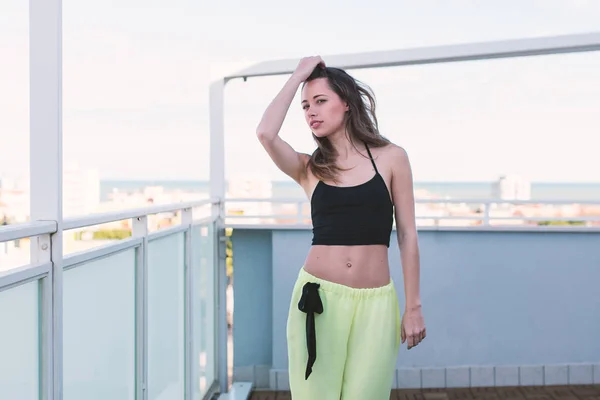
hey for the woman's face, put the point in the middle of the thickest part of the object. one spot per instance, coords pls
(324, 110)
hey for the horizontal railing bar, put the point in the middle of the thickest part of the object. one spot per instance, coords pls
(83, 257)
(507, 48)
(488, 215)
(26, 230)
(268, 227)
(265, 216)
(549, 218)
(509, 202)
(425, 201)
(516, 218)
(266, 199)
(21, 275)
(437, 217)
(482, 228)
(167, 232)
(98, 219)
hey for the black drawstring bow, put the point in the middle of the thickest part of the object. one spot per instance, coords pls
(310, 303)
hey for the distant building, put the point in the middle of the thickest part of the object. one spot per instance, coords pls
(81, 190)
(512, 187)
(251, 188)
(81, 194)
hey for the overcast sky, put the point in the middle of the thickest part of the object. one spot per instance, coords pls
(136, 77)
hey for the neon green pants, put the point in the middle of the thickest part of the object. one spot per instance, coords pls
(343, 342)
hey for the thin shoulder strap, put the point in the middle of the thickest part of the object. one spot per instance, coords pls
(371, 157)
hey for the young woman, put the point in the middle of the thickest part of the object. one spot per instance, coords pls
(344, 306)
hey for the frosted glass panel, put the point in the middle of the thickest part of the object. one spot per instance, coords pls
(203, 318)
(166, 318)
(19, 342)
(99, 329)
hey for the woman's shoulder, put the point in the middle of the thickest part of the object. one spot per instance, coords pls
(393, 152)
(392, 159)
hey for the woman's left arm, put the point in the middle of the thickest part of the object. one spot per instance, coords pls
(413, 325)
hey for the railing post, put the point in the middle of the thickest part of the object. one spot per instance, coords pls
(189, 356)
(486, 214)
(217, 191)
(41, 253)
(140, 230)
(45, 160)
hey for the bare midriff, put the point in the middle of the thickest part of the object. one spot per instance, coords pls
(354, 266)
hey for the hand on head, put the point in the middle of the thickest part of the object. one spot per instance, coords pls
(307, 65)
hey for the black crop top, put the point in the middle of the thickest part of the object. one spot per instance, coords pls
(352, 215)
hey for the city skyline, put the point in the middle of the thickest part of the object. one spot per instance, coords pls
(136, 88)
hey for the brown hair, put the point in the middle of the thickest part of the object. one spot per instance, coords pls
(360, 120)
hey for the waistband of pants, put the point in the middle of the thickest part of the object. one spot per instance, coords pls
(338, 288)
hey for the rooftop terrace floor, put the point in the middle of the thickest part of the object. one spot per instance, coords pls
(572, 392)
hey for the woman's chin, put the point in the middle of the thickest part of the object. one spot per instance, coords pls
(320, 134)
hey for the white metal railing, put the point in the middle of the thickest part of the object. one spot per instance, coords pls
(480, 212)
(26, 230)
(98, 219)
(41, 271)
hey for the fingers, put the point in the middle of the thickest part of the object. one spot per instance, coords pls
(403, 334)
(412, 331)
(415, 338)
(318, 61)
(412, 341)
(307, 65)
(313, 60)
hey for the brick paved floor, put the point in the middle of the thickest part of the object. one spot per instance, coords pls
(579, 392)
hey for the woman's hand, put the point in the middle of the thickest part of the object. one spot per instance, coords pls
(413, 327)
(306, 66)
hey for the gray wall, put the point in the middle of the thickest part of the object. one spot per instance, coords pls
(490, 298)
